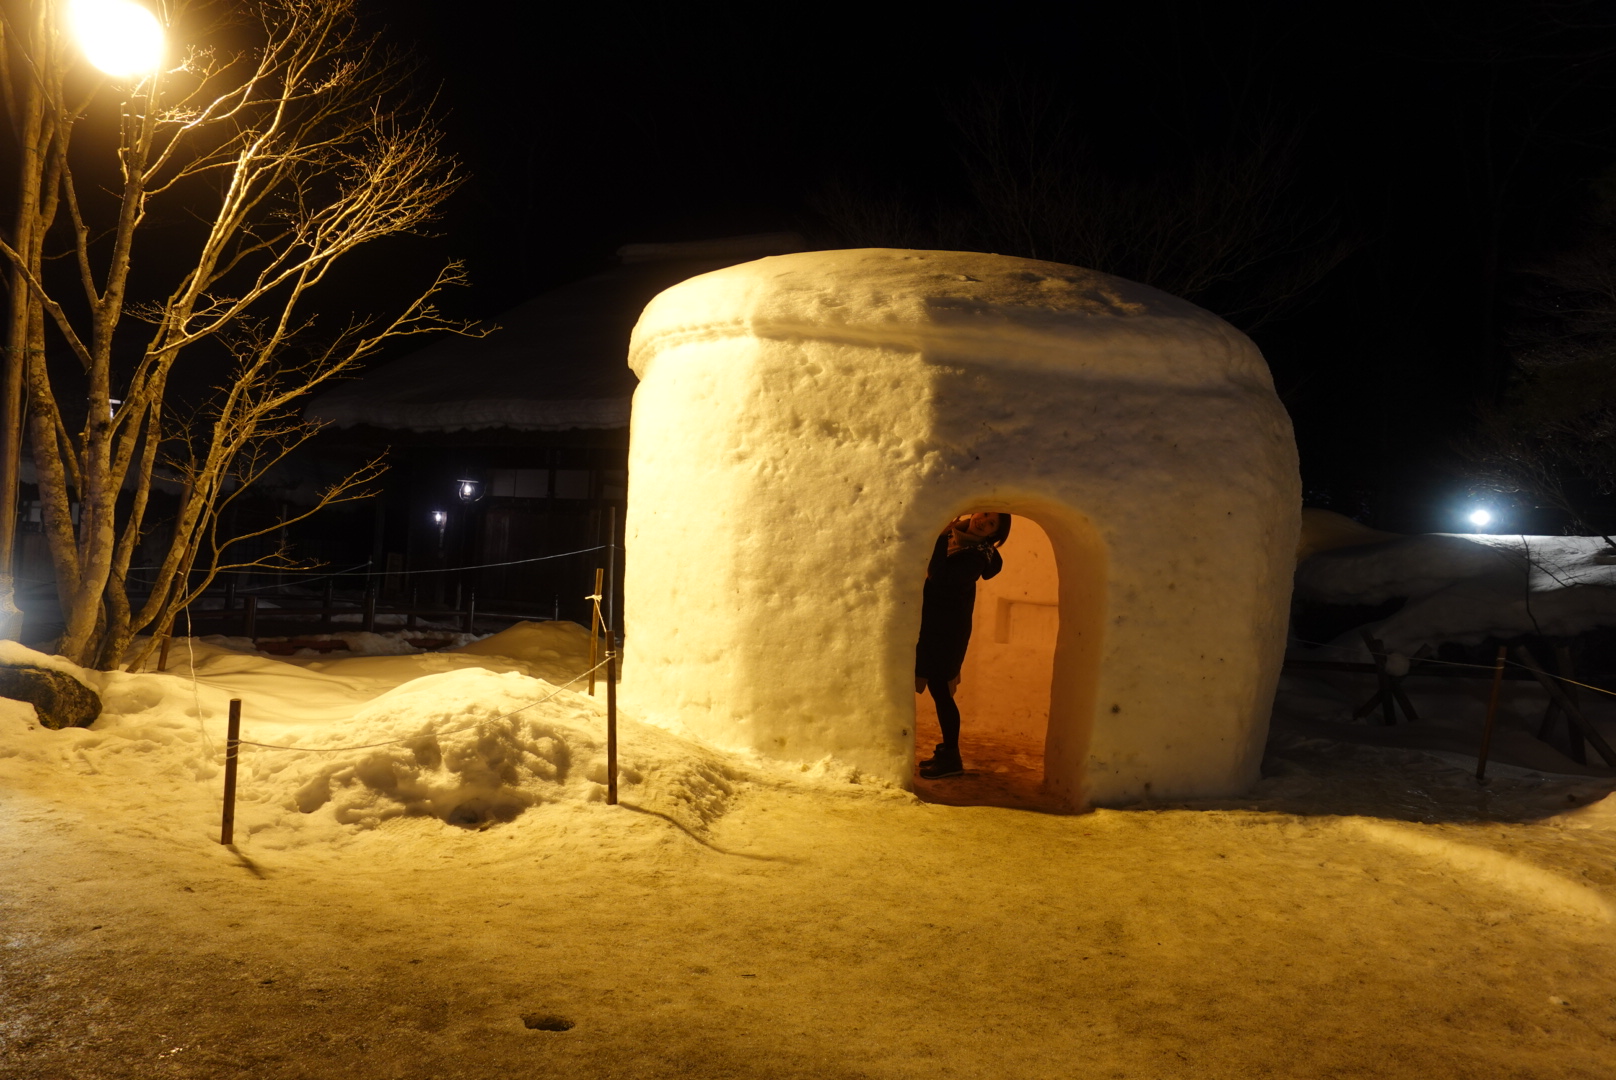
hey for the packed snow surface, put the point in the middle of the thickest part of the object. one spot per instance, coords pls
(1367, 911)
(1467, 588)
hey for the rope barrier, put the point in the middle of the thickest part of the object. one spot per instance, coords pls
(429, 735)
(196, 692)
(1457, 663)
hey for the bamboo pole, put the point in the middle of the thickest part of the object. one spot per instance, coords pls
(594, 630)
(1492, 714)
(611, 723)
(611, 566)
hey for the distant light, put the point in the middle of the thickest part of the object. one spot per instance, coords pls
(469, 490)
(439, 517)
(1480, 518)
(118, 36)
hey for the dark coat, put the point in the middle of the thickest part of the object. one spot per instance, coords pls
(945, 607)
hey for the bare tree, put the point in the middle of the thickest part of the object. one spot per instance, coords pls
(1552, 436)
(247, 172)
(1227, 228)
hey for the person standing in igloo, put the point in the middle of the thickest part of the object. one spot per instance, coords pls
(966, 552)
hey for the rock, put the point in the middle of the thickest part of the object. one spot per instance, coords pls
(60, 700)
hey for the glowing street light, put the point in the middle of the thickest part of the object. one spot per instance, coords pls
(1480, 518)
(120, 37)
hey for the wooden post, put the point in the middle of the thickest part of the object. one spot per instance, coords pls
(249, 618)
(594, 630)
(230, 594)
(369, 624)
(1492, 713)
(232, 747)
(1388, 704)
(1573, 715)
(1562, 660)
(471, 611)
(162, 656)
(325, 605)
(415, 601)
(611, 723)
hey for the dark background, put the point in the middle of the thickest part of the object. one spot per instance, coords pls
(1449, 144)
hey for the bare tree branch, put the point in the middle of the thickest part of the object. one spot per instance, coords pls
(268, 165)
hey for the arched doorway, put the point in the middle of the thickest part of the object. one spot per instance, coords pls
(1005, 683)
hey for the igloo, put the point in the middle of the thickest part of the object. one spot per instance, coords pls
(805, 426)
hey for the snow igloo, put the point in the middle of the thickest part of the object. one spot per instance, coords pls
(807, 424)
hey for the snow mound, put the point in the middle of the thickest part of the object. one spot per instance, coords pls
(15, 654)
(1325, 530)
(549, 650)
(1469, 588)
(1595, 815)
(475, 748)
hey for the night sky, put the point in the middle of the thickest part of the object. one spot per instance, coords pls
(1443, 145)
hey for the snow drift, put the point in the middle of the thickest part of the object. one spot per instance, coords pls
(475, 747)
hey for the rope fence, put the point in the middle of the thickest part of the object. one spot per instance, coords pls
(354, 571)
(1526, 669)
(1390, 696)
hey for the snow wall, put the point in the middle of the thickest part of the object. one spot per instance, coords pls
(806, 425)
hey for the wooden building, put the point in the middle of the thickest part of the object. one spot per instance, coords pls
(512, 447)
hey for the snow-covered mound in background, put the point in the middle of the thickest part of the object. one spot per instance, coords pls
(474, 747)
(1467, 588)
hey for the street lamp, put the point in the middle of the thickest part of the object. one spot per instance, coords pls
(120, 37)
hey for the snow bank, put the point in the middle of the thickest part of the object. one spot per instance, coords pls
(1323, 530)
(15, 654)
(1467, 588)
(472, 738)
(475, 747)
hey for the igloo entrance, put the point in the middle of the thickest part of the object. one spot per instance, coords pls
(1008, 680)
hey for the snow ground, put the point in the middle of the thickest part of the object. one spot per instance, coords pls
(1367, 911)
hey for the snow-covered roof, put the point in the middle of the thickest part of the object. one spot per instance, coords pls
(1467, 588)
(557, 362)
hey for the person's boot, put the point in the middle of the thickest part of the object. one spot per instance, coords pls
(944, 761)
